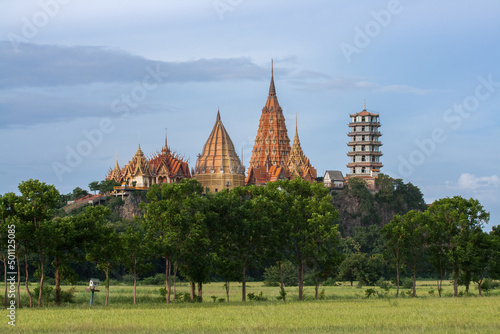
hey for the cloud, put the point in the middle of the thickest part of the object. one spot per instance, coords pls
(319, 81)
(471, 182)
(50, 65)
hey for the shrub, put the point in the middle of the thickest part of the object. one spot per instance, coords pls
(272, 275)
(369, 292)
(259, 297)
(406, 283)
(330, 281)
(282, 295)
(384, 284)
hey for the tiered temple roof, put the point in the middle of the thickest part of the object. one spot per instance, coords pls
(298, 164)
(272, 145)
(218, 166)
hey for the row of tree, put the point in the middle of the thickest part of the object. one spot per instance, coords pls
(449, 234)
(248, 228)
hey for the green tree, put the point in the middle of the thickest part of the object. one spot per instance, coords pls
(38, 201)
(106, 248)
(94, 186)
(311, 218)
(456, 220)
(362, 268)
(394, 233)
(136, 253)
(79, 192)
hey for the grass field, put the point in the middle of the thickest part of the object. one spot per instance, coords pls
(344, 310)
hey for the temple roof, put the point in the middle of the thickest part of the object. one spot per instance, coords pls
(298, 164)
(219, 155)
(272, 145)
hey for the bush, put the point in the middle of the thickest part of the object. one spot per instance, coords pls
(272, 275)
(158, 279)
(384, 284)
(406, 283)
(259, 297)
(128, 279)
(330, 281)
(369, 292)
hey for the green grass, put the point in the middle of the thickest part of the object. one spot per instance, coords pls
(345, 310)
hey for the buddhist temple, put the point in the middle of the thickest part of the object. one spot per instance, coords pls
(218, 167)
(272, 146)
(364, 147)
(141, 172)
(298, 165)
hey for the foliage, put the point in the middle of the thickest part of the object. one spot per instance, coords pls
(272, 275)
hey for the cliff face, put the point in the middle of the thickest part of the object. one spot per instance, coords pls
(358, 207)
(130, 207)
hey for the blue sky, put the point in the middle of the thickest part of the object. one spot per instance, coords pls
(80, 79)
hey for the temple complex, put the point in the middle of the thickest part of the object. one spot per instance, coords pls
(272, 158)
(141, 172)
(218, 167)
(364, 147)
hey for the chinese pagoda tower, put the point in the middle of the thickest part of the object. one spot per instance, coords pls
(272, 146)
(218, 167)
(364, 147)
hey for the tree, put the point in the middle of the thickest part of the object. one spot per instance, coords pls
(94, 186)
(455, 220)
(79, 192)
(106, 248)
(394, 233)
(135, 254)
(362, 268)
(311, 218)
(70, 237)
(38, 201)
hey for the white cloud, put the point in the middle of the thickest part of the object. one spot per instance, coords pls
(471, 182)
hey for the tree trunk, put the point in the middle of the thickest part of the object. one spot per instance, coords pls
(282, 283)
(397, 277)
(200, 292)
(26, 279)
(244, 285)
(176, 265)
(107, 286)
(58, 282)
(455, 283)
(414, 280)
(167, 280)
(5, 302)
(440, 282)
(316, 279)
(192, 290)
(479, 284)
(18, 280)
(40, 293)
(300, 276)
(227, 292)
(135, 280)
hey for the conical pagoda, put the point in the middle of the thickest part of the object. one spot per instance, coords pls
(298, 164)
(218, 167)
(272, 146)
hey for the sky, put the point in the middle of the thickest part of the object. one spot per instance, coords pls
(82, 82)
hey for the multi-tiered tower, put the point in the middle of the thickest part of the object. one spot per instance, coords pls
(218, 167)
(364, 147)
(272, 146)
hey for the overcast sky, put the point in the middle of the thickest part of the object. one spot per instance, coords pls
(80, 79)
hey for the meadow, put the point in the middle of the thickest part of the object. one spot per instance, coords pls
(343, 309)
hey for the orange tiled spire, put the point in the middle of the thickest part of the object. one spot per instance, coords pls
(298, 164)
(272, 145)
